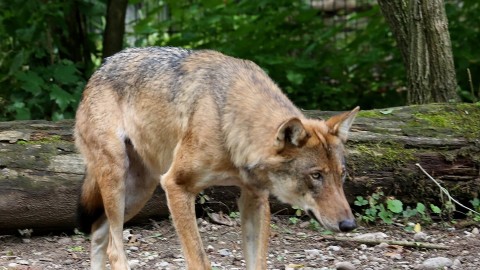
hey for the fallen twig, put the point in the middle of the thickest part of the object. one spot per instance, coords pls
(444, 190)
(389, 242)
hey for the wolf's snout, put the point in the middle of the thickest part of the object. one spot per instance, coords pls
(347, 225)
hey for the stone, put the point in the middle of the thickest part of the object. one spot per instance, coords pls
(334, 248)
(312, 253)
(420, 236)
(373, 236)
(345, 266)
(134, 263)
(457, 264)
(210, 248)
(224, 252)
(436, 263)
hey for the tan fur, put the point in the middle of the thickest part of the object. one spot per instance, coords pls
(191, 120)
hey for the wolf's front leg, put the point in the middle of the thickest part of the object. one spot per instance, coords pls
(255, 216)
(182, 208)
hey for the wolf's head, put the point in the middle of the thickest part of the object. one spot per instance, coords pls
(308, 169)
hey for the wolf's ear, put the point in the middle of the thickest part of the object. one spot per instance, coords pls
(339, 125)
(291, 132)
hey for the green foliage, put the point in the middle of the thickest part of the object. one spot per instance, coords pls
(203, 198)
(318, 63)
(294, 220)
(298, 211)
(76, 249)
(464, 32)
(39, 76)
(234, 215)
(476, 206)
(378, 206)
(321, 61)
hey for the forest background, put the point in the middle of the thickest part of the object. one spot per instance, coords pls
(328, 58)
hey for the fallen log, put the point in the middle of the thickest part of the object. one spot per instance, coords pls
(41, 172)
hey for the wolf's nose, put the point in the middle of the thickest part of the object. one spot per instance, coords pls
(347, 225)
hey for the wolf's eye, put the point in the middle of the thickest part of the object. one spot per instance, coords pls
(316, 176)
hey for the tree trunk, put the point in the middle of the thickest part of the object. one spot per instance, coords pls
(41, 173)
(115, 27)
(420, 28)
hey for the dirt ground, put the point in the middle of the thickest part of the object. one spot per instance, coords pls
(292, 246)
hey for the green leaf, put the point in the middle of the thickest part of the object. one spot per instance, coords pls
(420, 208)
(409, 212)
(294, 77)
(395, 206)
(386, 111)
(435, 209)
(61, 97)
(30, 82)
(360, 201)
(65, 74)
(386, 217)
(17, 62)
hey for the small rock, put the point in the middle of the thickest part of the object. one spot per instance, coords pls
(475, 231)
(127, 234)
(334, 248)
(344, 266)
(363, 257)
(133, 248)
(68, 261)
(210, 248)
(64, 240)
(202, 222)
(456, 264)
(363, 247)
(134, 263)
(374, 236)
(23, 262)
(396, 256)
(162, 264)
(420, 236)
(436, 263)
(224, 252)
(301, 234)
(312, 253)
(377, 259)
(382, 245)
(12, 265)
(304, 224)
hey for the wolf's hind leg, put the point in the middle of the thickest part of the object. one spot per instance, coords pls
(99, 243)
(107, 164)
(140, 183)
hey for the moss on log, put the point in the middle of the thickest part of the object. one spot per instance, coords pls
(41, 172)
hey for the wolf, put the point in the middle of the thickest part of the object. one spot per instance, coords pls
(192, 119)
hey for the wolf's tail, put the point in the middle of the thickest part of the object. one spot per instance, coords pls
(90, 205)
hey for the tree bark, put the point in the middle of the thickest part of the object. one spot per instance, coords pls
(41, 173)
(420, 28)
(115, 27)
